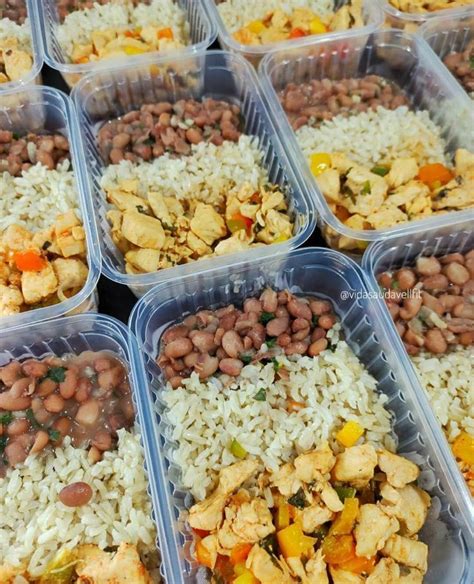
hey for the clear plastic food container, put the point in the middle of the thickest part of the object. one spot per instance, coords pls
(34, 74)
(410, 21)
(373, 19)
(454, 236)
(393, 55)
(208, 74)
(448, 33)
(202, 33)
(34, 110)
(91, 332)
(335, 277)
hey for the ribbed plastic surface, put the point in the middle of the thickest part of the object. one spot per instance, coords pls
(411, 20)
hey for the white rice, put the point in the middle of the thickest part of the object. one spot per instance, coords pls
(35, 198)
(205, 175)
(206, 416)
(447, 380)
(238, 13)
(34, 524)
(79, 25)
(373, 137)
(22, 32)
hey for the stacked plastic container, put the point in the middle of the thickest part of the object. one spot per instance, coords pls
(410, 21)
(395, 56)
(207, 74)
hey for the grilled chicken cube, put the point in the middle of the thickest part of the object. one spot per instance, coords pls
(385, 572)
(36, 286)
(266, 568)
(311, 465)
(409, 505)
(340, 576)
(70, 273)
(356, 465)
(246, 523)
(409, 552)
(142, 230)
(373, 529)
(402, 171)
(400, 471)
(207, 224)
(11, 300)
(122, 567)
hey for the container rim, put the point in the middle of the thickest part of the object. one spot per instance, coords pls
(374, 21)
(102, 65)
(421, 16)
(309, 184)
(85, 205)
(308, 213)
(37, 53)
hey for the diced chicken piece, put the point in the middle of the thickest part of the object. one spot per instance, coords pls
(65, 222)
(11, 300)
(355, 8)
(160, 208)
(267, 569)
(343, 577)
(313, 572)
(246, 523)
(370, 189)
(311, 465)
(144, 260)
(36, 286)
(356, 222)
(419, 206)
(341, 162)
(341, 19)
(409, 505)
(399, 470)
(70, 273)
(197, 245)
(122, 567)
(286, 480)
(464, 161)
(407, 193)
(277, 227)
(272, 200)
(142, 230)
(402, 171)
(385, 572)
(458, 197)
(387, 216)
(71, 245)
(211, 544)
(17, 63)
(356, 465)
(208, 514)
(330, 184)
(331, 499)
(4, 273)
(80, 52)
(16, 238)
(126, 201)
(11, 575)
(314, 516)
(174, 206)
(408, 552)
(207, 224)
(232, 244)
(373, 529)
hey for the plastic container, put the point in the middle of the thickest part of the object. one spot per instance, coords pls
(202, 33)
(208, 74)
(34, 74)
(34, 110)
(90, 332)
(394, 55)
(372, 13)
(336, 277)
(401, 251)
(410, 21)
(449, 33)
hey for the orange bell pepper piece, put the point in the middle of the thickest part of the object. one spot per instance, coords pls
(463, 448)
(238, 222)
(338, 549)
(435, 175)
(297, 33)
(29, 261)
(203, 556)
(344, 523)
(358, 565)
(166, 33)
(293, 542)
(202, 533)
(239, 553)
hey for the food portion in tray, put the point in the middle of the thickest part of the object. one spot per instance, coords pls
(43, 257)
(16, 52)
(461, 65)
(378, 161)
(352, 516)
(271, 21)
(185, 183)
(73, 493)
(423, 6)
(432, 304)
(90, 31)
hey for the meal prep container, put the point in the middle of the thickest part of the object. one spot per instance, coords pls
(202, 33)
(373, 19)
(89, 332)
(208, 74)
(411, 21)
(398, 252)
(34, 74)
(449, 33)
(333, 276)
(44, 108)
(394, 55)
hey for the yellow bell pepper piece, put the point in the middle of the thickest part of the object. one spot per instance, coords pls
(319, 162)
(344, 523)
(237, 449)
(129, 50)
(293, 542)
(317, 26)
(256, 26)
(349, 434)
(60, 569)
(282, 518)
(244, 576)
(463, 447)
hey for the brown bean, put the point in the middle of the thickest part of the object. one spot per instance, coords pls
(319, 307)
(62, 425)
(253, 305)
(435, 342)
(385, 280)
(76, 494)
(102, 440)
(18, 427)
(178, 348)
(317, 347)
(227, 322)
(468, 291)
(15, 453)
(206, 366)
(301, 334)
(449, 301)
(203, 341)
(411, 307)
(10, 373)
(464, 310)
(406, 278)
(413, 338)
(269, 300)
(88, 413)
(299, 309)
(46, 387)
(23, 387)
(54, 403)
(457, 273)
(248, 343)
(102, 364)
(12, 404)
(121, 140)
(284, 340)
(452, 257)
(191, 359)
(257, 334)
(218, 336)
(412, 349)
(428, 266)
(41, 441)
(327, 321)
(277, 326)
(84, 388)
(110, 378)
(41, 415)
(432, 302)
(394, 310)
(33, 368)
(318, 333)
(401, 328)
(45, 158)
(300, 324)
(231, 367)
(466, 339)
(174, 333)
(232, 344)
(282, 311)
(436, 282)
(94, 455)
(245, 322)
(67, 388)
(297, 348)
(470, 265)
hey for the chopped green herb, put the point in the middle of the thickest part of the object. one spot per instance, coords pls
(3, 443)
(269, 544)
(266, 317)
(246, 359)
(31, 417)
(331, 347)
(395, 285)
(315, 320)
(57, 374)
(276, 365)
(261, 395)
(320, 533)
(298, 499)
(237, 449)
(149, 142)
(380, 170)
(345, 492)
(54, 435)
(46, 245)
(366, 189)
(270, 342)
(141, 209)
(6, 418)
(16, 136)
